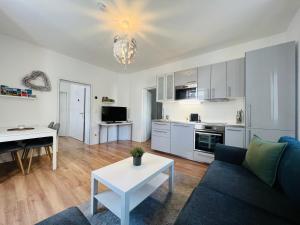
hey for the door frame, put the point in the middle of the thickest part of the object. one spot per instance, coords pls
(144, 105)
(86, 118)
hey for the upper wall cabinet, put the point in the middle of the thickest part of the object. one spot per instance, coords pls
(204, 82)
(165, 87)
(236, 78)
(185, 77)
(218, 80)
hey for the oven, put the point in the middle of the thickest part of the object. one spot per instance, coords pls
(207, 136)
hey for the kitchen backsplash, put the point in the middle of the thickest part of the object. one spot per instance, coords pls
(209, 111)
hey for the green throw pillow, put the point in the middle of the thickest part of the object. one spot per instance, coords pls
(262, 158)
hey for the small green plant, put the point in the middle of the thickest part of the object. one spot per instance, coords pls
(137, 152)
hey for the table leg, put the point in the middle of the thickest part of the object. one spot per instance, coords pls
(99, 134)
(171, 178)
(107, 135)
(94, 190)
(54, 152)
(131, 132)
(125, 210)
(118, 133)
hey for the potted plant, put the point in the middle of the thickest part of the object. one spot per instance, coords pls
(137, 154)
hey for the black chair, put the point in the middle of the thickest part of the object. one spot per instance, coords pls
(14, 149)
(38, 144)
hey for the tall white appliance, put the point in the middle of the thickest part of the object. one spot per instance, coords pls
(271, 86)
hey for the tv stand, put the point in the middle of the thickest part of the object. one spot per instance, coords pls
(114, 124)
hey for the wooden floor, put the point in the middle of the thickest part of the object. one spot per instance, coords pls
(28, 199)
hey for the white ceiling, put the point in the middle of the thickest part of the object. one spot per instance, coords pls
(182, 28)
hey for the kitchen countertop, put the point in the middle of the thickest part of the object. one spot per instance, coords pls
(226, 124)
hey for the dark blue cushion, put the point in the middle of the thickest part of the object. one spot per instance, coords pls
(208, 207)
(70, 216)
(289, 169)
(230, 154)
(239, 183)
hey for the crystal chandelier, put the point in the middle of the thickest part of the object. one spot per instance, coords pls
(124, 49)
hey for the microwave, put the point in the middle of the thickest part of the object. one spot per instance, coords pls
(186, 92)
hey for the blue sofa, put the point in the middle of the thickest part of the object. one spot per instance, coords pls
(229, 194)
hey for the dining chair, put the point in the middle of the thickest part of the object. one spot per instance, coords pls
(51, 124)
(14, 149)
(38, 144)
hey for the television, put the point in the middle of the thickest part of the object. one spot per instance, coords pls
(114, 114)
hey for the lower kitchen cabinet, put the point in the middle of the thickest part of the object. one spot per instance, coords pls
(182, 140)
(235, 136)
(160, 136)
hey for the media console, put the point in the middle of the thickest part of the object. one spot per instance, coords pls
(117, 125)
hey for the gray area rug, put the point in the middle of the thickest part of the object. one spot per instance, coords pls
(160, 208)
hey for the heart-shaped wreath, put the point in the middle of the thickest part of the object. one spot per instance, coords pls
(34, 76)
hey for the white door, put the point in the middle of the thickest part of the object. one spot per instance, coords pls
(63, 113)
(147, 100)
(77, 98)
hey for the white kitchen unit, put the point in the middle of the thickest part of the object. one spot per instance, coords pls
(235, 136)
(160, 138)
(185, 77)
(235, 77)
(204, 82)
(165, 87)
(218, 81)
(271, 92)
(182, 139)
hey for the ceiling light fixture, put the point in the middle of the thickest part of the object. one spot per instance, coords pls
(124, 49)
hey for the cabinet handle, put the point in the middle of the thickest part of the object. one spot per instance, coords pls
(159, 131)
(228, 91)
(160, 124)
(249, 116)
(208, 94)
(180, 125)
(249, 136)
(233, 130)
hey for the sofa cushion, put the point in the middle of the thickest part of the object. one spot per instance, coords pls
(263, 158)
(70, 216)
(208, 207)
(289, 169)
(239, 183)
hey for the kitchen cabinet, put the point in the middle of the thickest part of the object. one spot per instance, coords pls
(271, 91)
(235, 136)
(165, 87)
(170, 87)
(160, 136)
(160, 88)
(182, 140)
(218, 81)
(185, 77)
(235, 76)
(204, 82)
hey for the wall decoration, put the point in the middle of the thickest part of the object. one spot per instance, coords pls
(8, 91)
(107, 100)
(34, 76)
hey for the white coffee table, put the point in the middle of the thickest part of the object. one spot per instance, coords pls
(129, 185)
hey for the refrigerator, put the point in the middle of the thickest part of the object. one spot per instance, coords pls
(271, 86)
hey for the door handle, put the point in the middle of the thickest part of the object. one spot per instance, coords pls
(228, 91)
(213, 92)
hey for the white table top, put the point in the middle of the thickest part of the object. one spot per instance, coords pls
(38, 131)
(124, 176)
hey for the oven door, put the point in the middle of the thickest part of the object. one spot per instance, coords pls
(206, 141)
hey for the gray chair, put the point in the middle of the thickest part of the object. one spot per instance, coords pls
(51, 125)
(14, 149)
(38, 144)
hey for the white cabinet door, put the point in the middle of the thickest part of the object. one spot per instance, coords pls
(218, 80)
(236, 78)
(170, 87)
(204, 82)
(235, 136)
(186, 77)
(182, 140)
(160, 88)
(271, 88)
(160, 136)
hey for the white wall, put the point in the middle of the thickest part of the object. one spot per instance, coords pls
(18, 58)
(147, 78)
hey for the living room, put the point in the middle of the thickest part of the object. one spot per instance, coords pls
(224, 76)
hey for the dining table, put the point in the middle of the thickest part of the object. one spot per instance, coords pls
(8, 134)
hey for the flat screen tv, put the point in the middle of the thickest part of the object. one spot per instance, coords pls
(114, 114)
